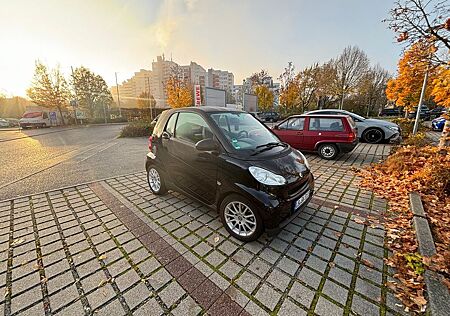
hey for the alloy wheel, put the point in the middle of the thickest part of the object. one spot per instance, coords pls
(328, 151)
(240, 218)
(154, 179)
(374, 136)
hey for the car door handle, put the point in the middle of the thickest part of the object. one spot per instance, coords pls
(299, 133)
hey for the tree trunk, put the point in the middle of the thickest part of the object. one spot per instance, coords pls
(445, 137)
(62, 117)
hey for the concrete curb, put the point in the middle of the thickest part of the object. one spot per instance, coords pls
(438, 294)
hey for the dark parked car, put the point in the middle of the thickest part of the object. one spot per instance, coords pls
(423, 115)
(232, 162)
(269, 116)
(391, 112)
(329, 135)
(437, 112)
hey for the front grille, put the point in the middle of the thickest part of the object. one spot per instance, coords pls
(292, 192)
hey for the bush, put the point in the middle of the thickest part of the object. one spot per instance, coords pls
(137, 129)
(407, 126)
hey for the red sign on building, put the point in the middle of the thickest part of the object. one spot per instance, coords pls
(198, 96)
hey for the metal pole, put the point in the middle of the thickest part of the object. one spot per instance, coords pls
(104, 112)
(243, 95)
(118, 96)
(422, 94)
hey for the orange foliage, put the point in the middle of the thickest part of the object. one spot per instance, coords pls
(405, 89)
(441, 87)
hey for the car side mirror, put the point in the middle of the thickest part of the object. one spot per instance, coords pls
(165, 135)
(208, 144)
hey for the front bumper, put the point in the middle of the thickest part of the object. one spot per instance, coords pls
(276, 211)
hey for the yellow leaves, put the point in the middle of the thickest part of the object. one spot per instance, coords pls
(265, 98)
(179, 94)
(441, 87)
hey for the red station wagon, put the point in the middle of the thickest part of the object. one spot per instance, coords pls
(329, 135)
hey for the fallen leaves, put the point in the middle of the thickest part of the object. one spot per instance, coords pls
(17, 242)
(425, 170)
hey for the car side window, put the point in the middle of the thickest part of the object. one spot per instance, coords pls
(192, 127)
(296, 123)
(44, 115)
(170, 127)
(326, 124)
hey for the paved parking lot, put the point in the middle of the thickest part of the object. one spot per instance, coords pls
(113, 248)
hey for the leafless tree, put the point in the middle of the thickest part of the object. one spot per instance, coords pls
(351, 67)
(422, 20)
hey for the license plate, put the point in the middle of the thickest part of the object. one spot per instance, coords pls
(301, 200)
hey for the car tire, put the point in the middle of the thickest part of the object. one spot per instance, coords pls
(241, 218)
(373, 136)
(328, 151)
(155, 181)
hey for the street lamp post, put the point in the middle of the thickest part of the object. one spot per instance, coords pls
(422, 94)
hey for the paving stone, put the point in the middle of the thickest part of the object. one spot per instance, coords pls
(268, 296)
(242, 256)
(204, 268)
(322, 252)
(230, 269)
(296, 254)
(136, 295)
(370, 274)
(159, 278)
(237, 296)
(70, 310)
(316, 263)
(215, 258)
(288, 308)
(63, 297)
(259, 267)
(27, 298)
(100, 296)
(254, 309)
(367, 289)
(336, 292)
(93, 281)
(279, 279)
(206, 293)
(301, 294)
(364, 307)
(248, 281)
(112, 308)
(228, 247)
(24, 283)
(288, 266)
(279, 245)
(326, 308)
(202, 249)
(60, 281)
(218, 280)
(309, 277)
(187, 307)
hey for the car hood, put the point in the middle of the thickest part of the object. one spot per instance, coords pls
(381, 123)
(291, 165)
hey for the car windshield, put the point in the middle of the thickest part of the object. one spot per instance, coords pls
(358, 117)
(243, 131)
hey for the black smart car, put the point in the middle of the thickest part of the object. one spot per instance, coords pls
(232, 162)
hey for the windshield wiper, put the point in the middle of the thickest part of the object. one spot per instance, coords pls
(268, 146)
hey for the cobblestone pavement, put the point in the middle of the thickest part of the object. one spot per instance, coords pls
(113, 248)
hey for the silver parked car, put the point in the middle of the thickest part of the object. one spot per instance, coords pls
(369, 130)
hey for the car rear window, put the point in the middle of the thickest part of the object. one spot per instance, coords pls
(326, 124)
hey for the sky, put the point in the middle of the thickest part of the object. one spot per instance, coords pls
(241, 36)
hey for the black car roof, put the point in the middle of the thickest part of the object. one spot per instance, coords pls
(208, 109)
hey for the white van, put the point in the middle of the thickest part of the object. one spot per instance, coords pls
(38, 117)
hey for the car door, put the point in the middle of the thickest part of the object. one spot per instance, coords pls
(291, 131)
(193, 171)
(329, 129)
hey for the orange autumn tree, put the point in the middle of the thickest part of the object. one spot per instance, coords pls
(179, 94)
(441, 94)
(405, 89)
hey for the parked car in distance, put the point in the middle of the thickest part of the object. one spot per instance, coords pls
(35, 118)
(438, 124)
(437, 112)
(13, 122)
(232, 162)
(268, 116)
(4, 123)
(391, 112)
(369, 130)
(424, 114)
(329, 135)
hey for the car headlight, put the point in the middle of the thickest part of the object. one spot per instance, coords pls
(393, 128)
(266, 177)
(305, 161)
